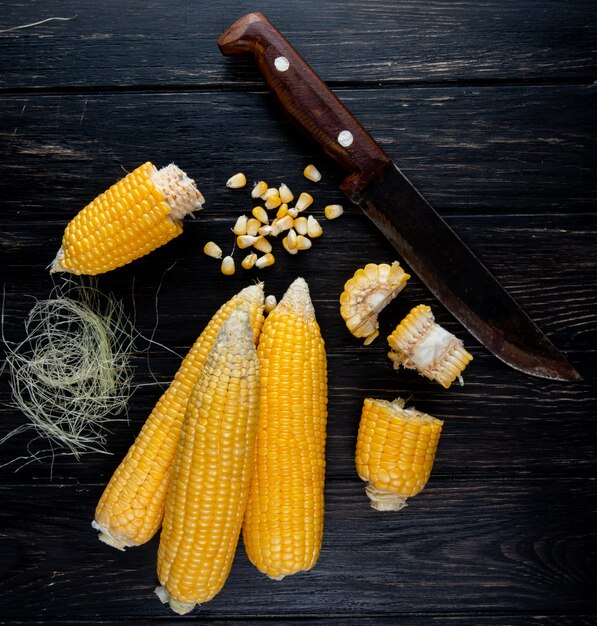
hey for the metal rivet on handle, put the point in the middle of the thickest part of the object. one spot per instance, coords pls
(282, 64)
(345, 138)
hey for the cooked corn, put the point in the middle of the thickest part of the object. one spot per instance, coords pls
(332, 211)
(304, 201)
(228, 267)
(259, 189)
(419, 343)
(131, 219)
(395, 452)
(212, 249)
(367, 293)
(283, 524)
(313, 227)
(312, 173)
(285, 194)
(237, 181)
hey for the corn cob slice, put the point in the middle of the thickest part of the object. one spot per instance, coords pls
(367, 293)
(283, 525)
(212, 470)
(131, 219)
(131, 508)
(419, 343)
(395, 451)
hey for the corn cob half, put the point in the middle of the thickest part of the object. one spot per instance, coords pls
(135, 216)
(283, 525)
(131, 508)
(395, 451)
(419, 343)
(212, 471)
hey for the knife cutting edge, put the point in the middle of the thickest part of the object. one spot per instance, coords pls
(430, 247)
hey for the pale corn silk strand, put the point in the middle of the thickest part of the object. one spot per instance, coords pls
(72, 373)
(32, 24)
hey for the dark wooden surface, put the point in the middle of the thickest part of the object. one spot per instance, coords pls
(490, 108)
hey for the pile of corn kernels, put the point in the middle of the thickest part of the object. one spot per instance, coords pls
(253, 232)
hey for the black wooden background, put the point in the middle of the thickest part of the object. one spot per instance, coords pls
(489, 106)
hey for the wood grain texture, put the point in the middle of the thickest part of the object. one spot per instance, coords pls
(111, 43)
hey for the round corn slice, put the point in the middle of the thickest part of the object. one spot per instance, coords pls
(421, 344)
(367, 293)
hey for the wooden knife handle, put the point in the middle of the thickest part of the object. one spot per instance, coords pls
(307, 100)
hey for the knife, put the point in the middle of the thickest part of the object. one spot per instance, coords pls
(430, 247)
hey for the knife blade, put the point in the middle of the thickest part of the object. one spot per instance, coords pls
(424, 240)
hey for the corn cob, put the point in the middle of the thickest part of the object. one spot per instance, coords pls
(283, 524)
(134, 217)
(131, 508)
(419, 343)
(367, 293)
(212, 471)
(395, 451)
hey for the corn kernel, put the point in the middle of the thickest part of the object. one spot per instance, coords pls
(291, 239)
(282, 211)
(303, 243)
(259, 189)
(305, 200)
(293, 212)
(228, 266)
(261, 214)
(282, 224)
(271, 191)
(249, 261)
(273, 202)
(237, 181)
(270, 303)
(263, 245)
(332, 211)
(312, 173)
(287, 248)
(212, 249)
(240, 228)
(253, 226)
(285, 194)
(245, 241)
(313, 227)
(300, 225)
(265, 261)
(265, 230)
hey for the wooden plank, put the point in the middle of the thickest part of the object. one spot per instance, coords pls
(516, 149)
(465, 547)
(346, 40)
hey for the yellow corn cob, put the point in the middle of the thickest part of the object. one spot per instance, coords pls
(395, 451)
(367, 293)
(212, 471)
(131, 508)
(419, 343)
(134, 217)
(283, 524)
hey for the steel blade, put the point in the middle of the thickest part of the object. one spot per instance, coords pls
(458, 279)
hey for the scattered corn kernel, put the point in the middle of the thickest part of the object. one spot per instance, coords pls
(293, 212)
(265, 230)
(291, 239)
(237, 181)
(282, 211)
(265, 261)
(303, 243)
(212, 249)
(313, 227)
(300, 225)
(253, 226)
(289, 250)
(240, 227)
(285, 194)
(367, 293)
(305, 200)
(332, 211)
(261, 214)
(270, 304)
(228, 266)
(282, 224)
(246, 241)
(271, 191)
(259, 189)
(312, 173)
(273, 202)
(263, 245)
(421, 344)
(249, 261)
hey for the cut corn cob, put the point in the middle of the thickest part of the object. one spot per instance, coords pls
(367, 293)
(131, 508)
(395, 451)
(135, 216)
(283, 524)
(228, 268)
(237, 181)
(419, 343)
(212, 249)
(212, 471)
(312, 173)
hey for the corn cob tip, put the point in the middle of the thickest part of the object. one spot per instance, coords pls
(297, 299)
(182, 608)
(108, 538)
(253, 293)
